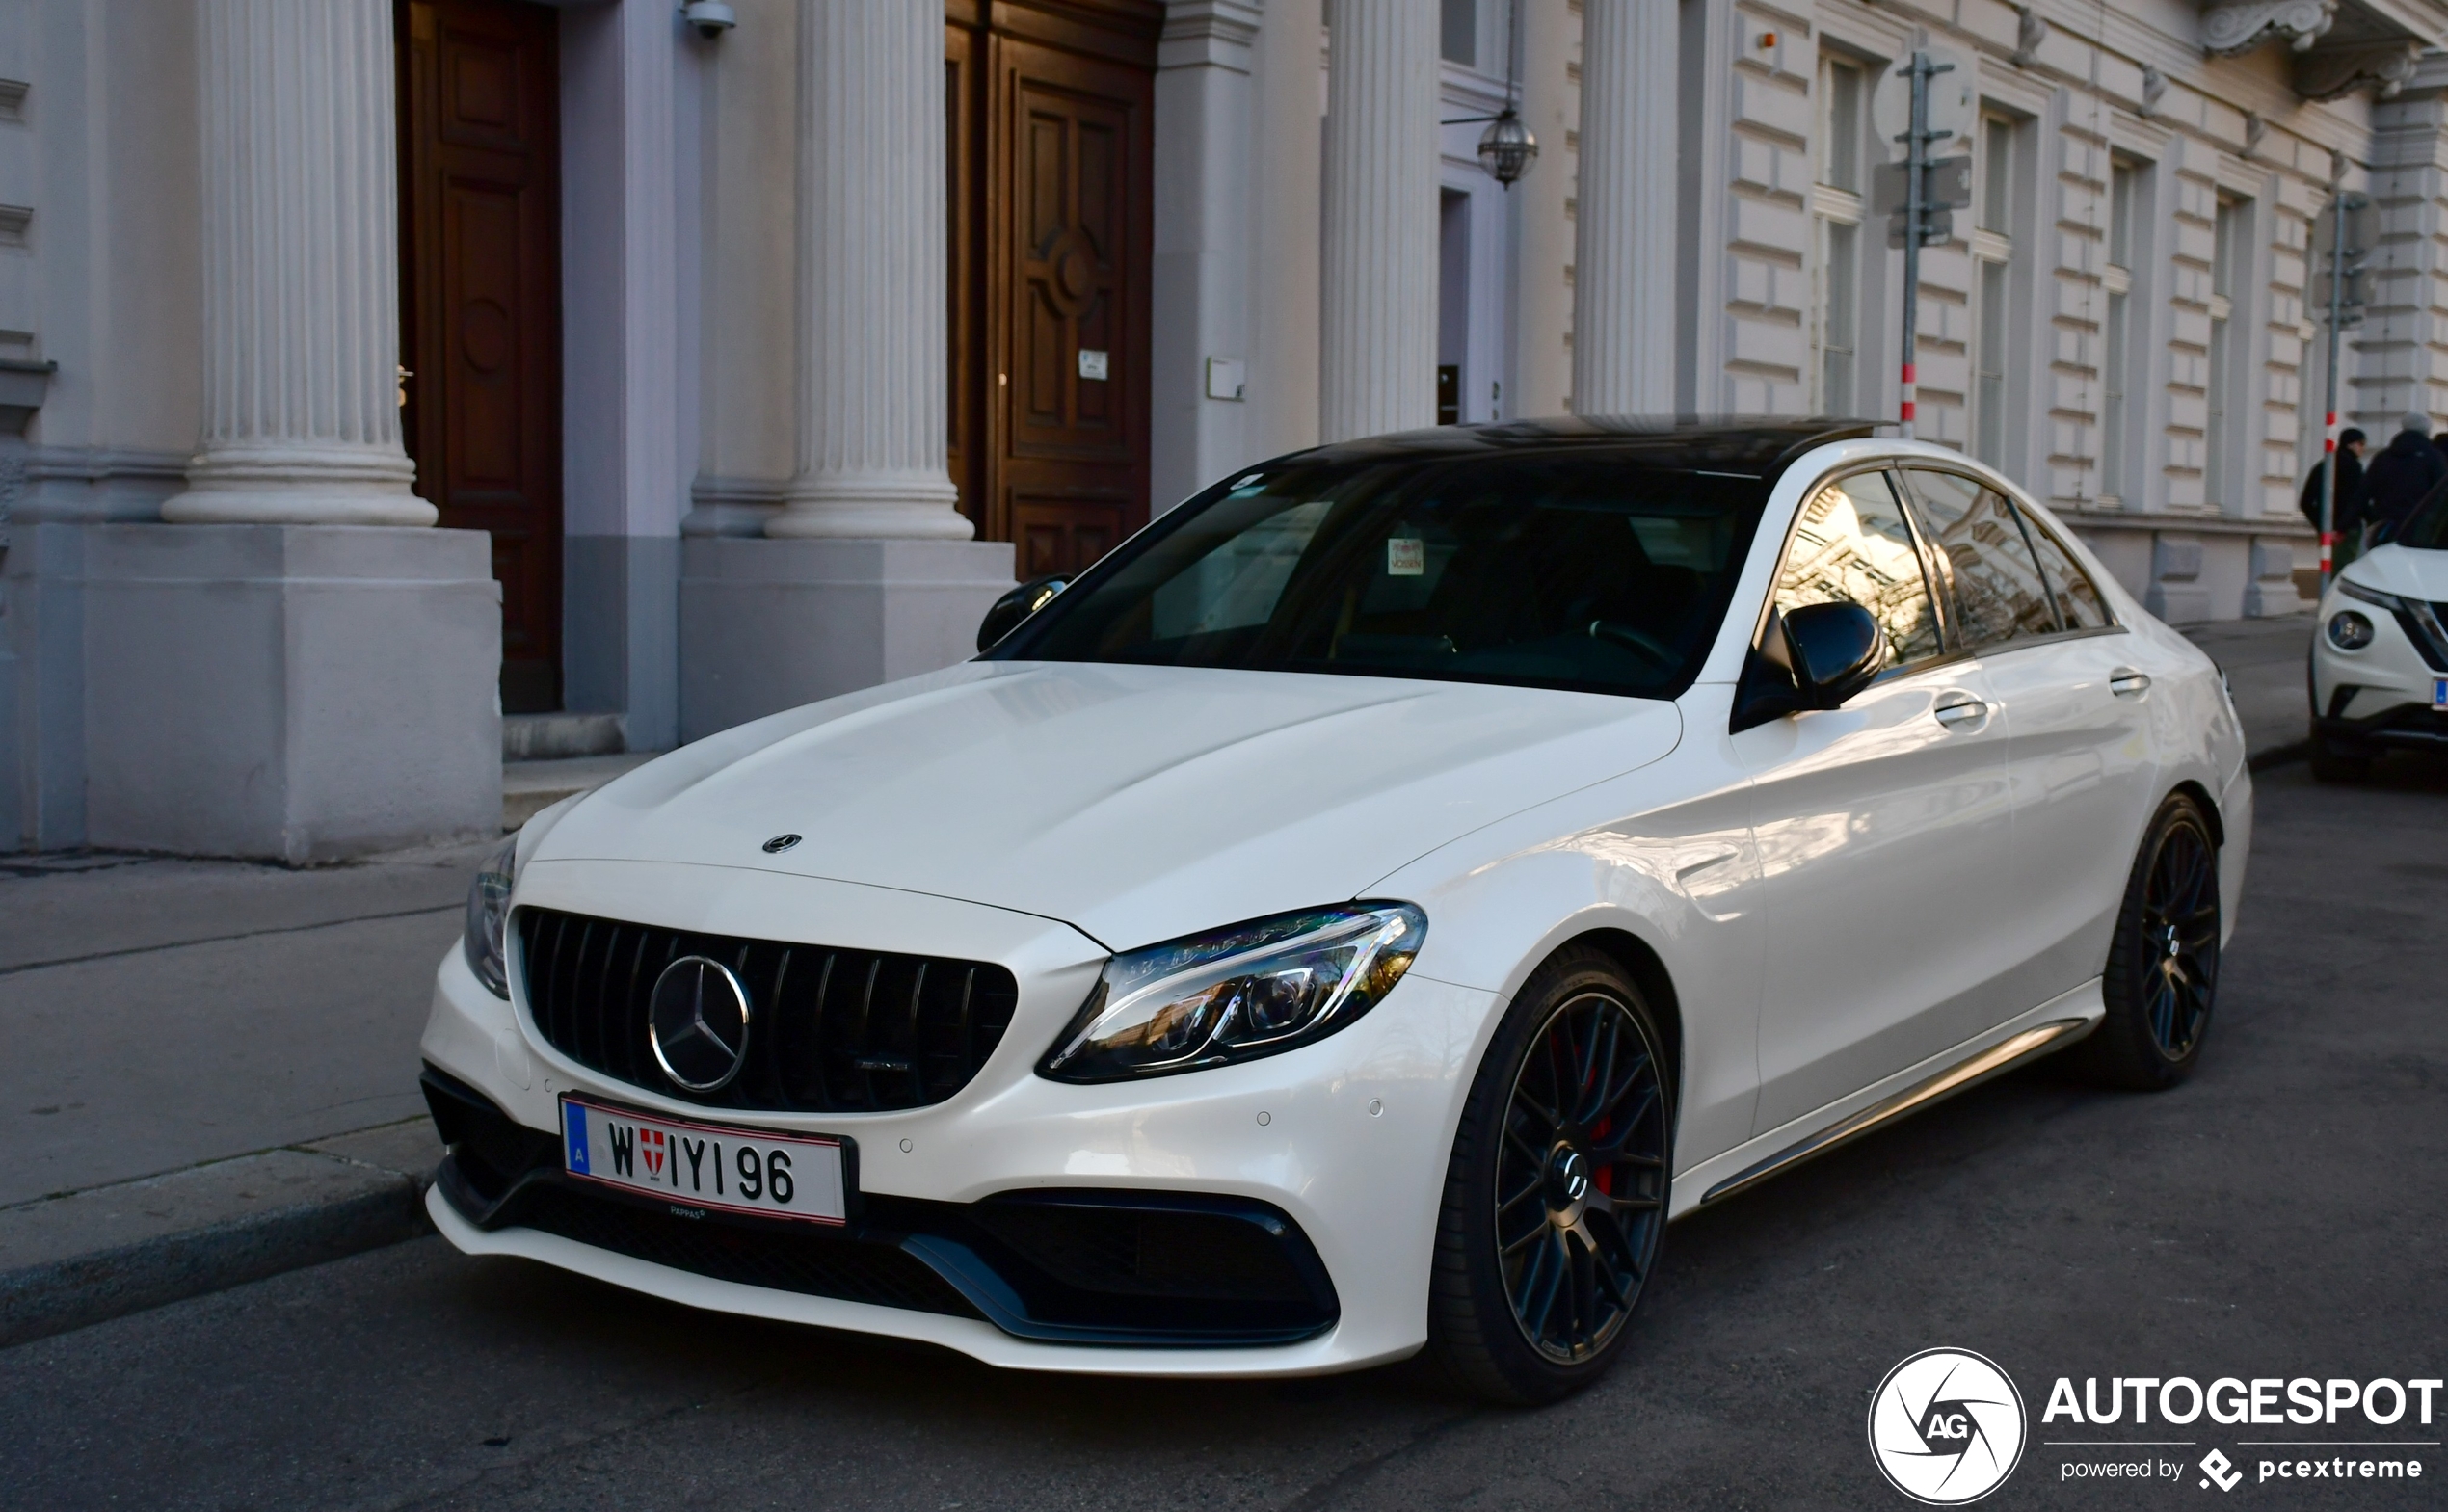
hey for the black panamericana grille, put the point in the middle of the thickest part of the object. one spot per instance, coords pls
(832, 1031)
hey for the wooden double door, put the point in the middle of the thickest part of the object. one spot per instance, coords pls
(479, 301)
(1049, 117)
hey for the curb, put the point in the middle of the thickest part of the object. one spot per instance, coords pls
(76, 1259)
(38, 1301)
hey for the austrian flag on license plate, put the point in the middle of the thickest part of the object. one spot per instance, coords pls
(694, 1165)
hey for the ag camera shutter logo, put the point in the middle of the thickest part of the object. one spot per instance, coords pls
(1946, 1427)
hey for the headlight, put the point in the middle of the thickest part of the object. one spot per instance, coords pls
(1251, 990)
(2349, 631)
(2415, 612)
(489, 916)
(2370, 596)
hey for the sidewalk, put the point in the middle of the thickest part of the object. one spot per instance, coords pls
(211, 1073)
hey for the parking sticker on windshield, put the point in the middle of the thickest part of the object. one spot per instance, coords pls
(1406, 558)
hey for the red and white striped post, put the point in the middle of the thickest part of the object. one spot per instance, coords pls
(2329, 497)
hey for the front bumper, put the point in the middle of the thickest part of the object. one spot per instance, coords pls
(2405, 726)
(2377, 697)
(1344, 1142)
(1075, 1267)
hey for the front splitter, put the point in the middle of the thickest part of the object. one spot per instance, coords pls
(979, 1341)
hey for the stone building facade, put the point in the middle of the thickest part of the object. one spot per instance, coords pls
(376, 371)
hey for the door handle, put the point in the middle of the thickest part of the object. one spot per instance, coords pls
(2126, 683)
(1961, 711)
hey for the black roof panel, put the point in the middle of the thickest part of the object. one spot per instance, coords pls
(1753, 445)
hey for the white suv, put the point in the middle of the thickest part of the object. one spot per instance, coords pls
(2379, 663)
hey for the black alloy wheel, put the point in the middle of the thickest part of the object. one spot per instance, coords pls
(1555, 1201)
(2162, 980)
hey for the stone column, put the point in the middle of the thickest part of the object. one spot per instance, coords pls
(300, 263)
(1377, 357)
(1284, 233)
(873, 433)
(1623, 262)
(293, 665)
(867, 573)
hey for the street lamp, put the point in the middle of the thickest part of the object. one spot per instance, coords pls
(1507, 147)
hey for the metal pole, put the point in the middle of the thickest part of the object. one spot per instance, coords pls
(1916, 164)
(2329, 437)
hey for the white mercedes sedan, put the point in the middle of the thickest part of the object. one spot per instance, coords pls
(1358, 913)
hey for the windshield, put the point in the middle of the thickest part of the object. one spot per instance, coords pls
(2425, 529)
(1583, 570)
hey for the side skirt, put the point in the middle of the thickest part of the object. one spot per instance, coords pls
(2052, 1026)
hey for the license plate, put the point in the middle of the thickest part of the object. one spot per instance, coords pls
(2440, 694)
(697, 1166)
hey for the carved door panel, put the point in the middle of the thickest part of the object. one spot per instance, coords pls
(480, 303)
(1071, 211)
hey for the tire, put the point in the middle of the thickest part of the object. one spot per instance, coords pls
(1534, 1286)
(2331, 765)
(2161, 979)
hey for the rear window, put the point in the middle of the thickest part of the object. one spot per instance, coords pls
(1583, 571)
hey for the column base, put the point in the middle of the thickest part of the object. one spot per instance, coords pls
(769, 624)
(299, 485)
(2177, 593)
(297, 693)
(2272, 590)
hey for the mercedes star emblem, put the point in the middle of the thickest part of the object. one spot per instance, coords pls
(697, 1021)
(781, 843)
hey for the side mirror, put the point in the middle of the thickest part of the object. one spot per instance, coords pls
(1017, 605)
(1833, 651)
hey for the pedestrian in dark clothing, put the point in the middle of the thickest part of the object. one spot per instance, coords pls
(2404, 476)
(2347, 518)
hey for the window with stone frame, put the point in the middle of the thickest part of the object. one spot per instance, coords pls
(1837, 213)
(2219, 480)
(2116, 280)
(1995, 199)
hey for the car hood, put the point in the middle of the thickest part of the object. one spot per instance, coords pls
(2401, 570)
(1136, 804)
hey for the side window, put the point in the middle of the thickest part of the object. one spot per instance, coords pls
(1984, 561)
(2078, 601)
(1853, 542)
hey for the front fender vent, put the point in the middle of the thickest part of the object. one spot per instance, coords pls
(833, 1031)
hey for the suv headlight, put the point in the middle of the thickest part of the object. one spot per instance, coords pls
(488, 918)
(2415, 612)
(2370, 596)
(1237, 993)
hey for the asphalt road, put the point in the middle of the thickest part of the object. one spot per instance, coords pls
(2281, 1215)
